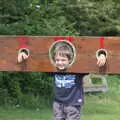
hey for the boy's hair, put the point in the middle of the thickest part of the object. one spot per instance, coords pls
(64, 50)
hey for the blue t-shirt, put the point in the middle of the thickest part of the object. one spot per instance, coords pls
(68, 88)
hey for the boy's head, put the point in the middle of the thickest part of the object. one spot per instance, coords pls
(63, 55)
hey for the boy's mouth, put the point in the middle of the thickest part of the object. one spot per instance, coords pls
(61, 70)
(62, 67)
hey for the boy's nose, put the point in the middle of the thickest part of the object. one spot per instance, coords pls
(60, 62)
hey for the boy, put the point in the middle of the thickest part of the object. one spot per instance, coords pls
(68, 88)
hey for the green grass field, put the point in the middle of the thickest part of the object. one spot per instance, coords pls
(97, 106)
(25, 114)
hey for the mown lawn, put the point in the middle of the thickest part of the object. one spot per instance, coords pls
(25, 114)
(103, 105)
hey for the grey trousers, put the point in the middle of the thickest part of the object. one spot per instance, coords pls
(64, 112)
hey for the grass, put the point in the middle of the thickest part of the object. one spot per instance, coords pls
(25, 114)
(97, 106)
(103, 105)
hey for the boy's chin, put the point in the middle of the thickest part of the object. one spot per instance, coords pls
(61, 69)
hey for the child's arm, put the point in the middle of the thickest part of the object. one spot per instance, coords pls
(23, 55)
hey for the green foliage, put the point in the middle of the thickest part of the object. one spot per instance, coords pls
(97, 81)
(41, 20)
(92, 19)
(57, 17)
(13, 10)
(25, 89)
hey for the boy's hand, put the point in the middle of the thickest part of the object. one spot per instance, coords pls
(22, 56)
(101, 60)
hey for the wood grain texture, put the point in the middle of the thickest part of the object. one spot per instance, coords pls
(38, 60)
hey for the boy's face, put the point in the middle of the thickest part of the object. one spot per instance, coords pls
(61, 62)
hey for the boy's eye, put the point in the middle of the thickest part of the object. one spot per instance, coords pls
(57, 60)
(62, 60)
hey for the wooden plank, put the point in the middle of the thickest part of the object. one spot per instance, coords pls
(39, 46)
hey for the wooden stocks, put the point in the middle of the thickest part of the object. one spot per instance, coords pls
(39, 60)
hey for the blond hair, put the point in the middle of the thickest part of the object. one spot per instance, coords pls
(64, 50)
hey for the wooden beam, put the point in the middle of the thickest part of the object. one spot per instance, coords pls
(39, 46)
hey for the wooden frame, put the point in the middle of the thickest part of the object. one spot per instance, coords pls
(39, 60)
